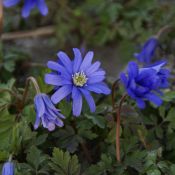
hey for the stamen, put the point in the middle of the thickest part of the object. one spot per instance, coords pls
(79, 79)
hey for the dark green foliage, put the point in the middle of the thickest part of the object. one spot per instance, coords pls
(86, 145)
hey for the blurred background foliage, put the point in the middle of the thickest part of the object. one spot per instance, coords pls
(114, 29)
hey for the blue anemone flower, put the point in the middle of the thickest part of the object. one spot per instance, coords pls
(28, 6)
(8, 168)
(147, 51)
(145, 83)
(76, 79)
(47, 113)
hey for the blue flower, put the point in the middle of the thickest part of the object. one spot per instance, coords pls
(47, 113)
(145, 83)
(76, 79)
(147, 51)
(8, 168)
(28, 6)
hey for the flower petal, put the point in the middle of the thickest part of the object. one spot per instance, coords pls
(59, 68)
(61, 93)
(87, 61)
(140, 103)
(42, 7)
(65, 61)
(99, 88)
(94, 67)
(56, 80)
(132, 69)
(95, 79)
(9, 3)
(77, 101)
(77, 60)
(28, 5)
(124, 79)
(89, 99)
(39, 105)
(154, 99)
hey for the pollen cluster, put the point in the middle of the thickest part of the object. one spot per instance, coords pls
(79, 79)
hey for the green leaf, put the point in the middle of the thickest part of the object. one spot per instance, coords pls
(169, 96)
(36, 160)
(97, 120)
(153, 172)
(7, 122)
(9, 65)
(67, 138)
(65, 108)
(102, 167)
(84, 129)
(63, 163)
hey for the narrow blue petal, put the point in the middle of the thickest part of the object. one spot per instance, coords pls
(61, 93)
(97, 73)
(124, 79)
(140, 103)
(9, 3)
(65, 61)
(42, 7)
(53, 79)
(132, 69)
(99, 88)
(95, 79)
(37, 122)
(77, 101)
(94, 67)
(39, 105)
(154, 99)
(77, 60)
(59, 68)
(89, 99)
(59, 123)
(28, 5)
(87, 61)
(56, 80)
(8, 168)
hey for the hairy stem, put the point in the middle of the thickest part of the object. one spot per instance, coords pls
(35, 84)
(118, 127)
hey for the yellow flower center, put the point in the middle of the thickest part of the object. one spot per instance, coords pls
(79, 79)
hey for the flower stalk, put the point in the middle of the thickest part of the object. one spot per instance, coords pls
(35, 84)
(118, 127)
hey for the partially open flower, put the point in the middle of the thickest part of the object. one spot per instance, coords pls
(28, 6)
(46, 113)
(145, 83)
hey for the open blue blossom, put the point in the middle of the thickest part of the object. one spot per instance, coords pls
(147, 51)
(145, 83)
(28, 6)
(8, 168)
(47, 113)
(76, 79)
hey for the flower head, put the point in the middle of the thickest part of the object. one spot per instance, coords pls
(147, 51)
(28, 6)
(47, 113)
(76, 79)
(8, 168)
(145, 83)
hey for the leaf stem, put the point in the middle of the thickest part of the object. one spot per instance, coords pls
(118, 127)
